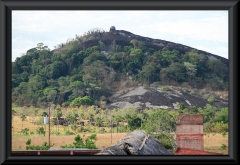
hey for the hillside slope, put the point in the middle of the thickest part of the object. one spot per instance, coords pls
(93, 66)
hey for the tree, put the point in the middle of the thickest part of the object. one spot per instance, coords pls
(162, 125)
(23, 117)
(58, 114)
(86, 100)
(222, 115)
(57, 69)
(35, 113)
(192, 57)
(190, 70)
(175, 71)
(79, 143)
(134, 122)
(137, 44)
(181, 106)
(40, 46)
(71, 118)
(148, 73)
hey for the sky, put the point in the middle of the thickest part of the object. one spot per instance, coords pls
(204, 30)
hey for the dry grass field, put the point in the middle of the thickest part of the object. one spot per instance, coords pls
(212, 142)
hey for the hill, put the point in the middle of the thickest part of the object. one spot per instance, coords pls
(98, 65)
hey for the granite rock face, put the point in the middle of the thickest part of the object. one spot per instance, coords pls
(142, 98)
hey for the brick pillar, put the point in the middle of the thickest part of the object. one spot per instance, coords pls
(189, 130)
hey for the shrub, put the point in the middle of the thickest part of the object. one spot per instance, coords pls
(218, 127)
(41, 131)
(165, 89)
(192, 93)
(224, 133)
(103, 102)
(44, 114)
(79, 143)
(224, 146)
(25, 131)
(67, 132)
(211, 99)
(185, 90)
(44, 146)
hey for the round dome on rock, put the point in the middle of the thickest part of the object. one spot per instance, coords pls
(112, 28)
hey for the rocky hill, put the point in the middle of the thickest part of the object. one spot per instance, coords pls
(145, 98)
(95, 65)
(123, 38)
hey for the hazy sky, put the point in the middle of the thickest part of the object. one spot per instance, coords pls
(204, 30)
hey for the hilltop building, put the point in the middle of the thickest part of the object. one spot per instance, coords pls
(112, 28)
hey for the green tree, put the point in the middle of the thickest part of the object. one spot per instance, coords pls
(58, 114)
(162, 125)
(23, 117)
(175, 71)
(58, 69)
(190, 71)
(222, 115)
(86, 100)
(137, 44)
(148, 73)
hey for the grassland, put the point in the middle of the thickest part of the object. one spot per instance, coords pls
(212, 142)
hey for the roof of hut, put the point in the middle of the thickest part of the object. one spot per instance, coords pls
(137, 142)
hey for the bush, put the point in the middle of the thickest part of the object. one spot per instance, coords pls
(185, 90)
(211, 99)
(224, 146)
(216, 127)
(44, 114)
(165, 89)
(224, 133)
(25, 131)
(44, 146)
(67, 132)
(41, 131)
(103, 102)
(79, 143)
(192, 93)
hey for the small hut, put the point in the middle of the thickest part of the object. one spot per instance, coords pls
(112, 28)
(136, 143)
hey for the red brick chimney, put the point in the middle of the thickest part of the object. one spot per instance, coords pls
(189, 130)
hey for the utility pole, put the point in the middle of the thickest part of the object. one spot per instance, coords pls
(111, 129)
(49, 124)
(111, 125)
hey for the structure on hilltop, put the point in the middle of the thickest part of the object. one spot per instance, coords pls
(112, 28)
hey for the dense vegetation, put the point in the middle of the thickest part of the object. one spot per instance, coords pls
(85, 73)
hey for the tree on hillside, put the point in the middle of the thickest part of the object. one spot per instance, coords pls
(190, 71)
(137, 44)
(86, 100)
